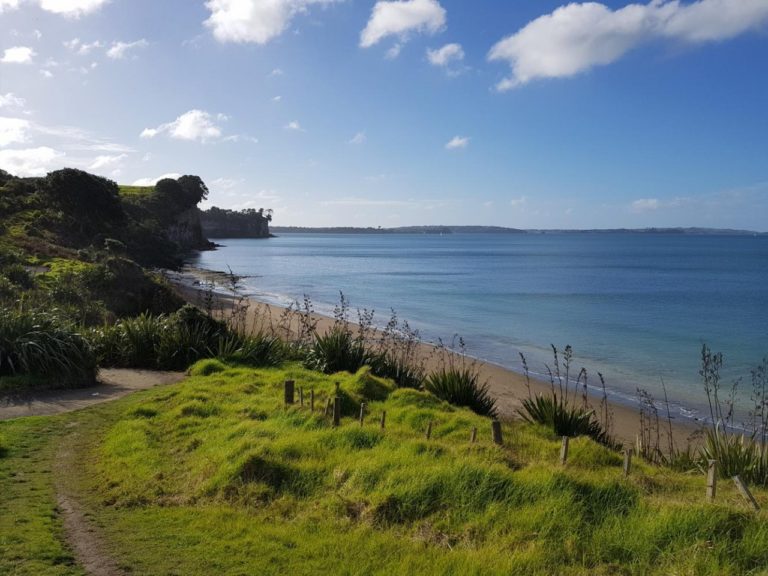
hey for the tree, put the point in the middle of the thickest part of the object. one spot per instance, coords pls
(91, 198)
(194, 188)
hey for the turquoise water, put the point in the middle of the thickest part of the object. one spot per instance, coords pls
(635, 307)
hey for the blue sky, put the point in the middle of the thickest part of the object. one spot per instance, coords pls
(532, 114)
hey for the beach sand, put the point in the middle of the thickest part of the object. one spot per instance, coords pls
(509, 388)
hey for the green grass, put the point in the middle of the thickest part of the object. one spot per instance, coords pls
(136, 191)
(215, 476)
(31, 536)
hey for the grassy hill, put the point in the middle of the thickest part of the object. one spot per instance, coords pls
(216, 476)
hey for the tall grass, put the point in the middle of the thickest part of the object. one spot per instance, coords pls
(41, 345)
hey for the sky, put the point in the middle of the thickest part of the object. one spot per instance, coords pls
(527, 114)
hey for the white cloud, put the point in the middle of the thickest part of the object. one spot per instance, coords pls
(46, 73)
(400, 18)
(18, 55)
(295, 126)
(106, 161)
(518, 202)
(277, 99)
(225, 183)
(119, 50)
(394, 51)
(72, 8)
(578, 37)
(13, 131)
(358, 138)
(257, 21)
(10, 100)
(8, 5)
(153, 181)
(446, 55)
(276, 72)
(193, 125)
(457, 142)
(30, 161)
(82, 48)
(645, 205)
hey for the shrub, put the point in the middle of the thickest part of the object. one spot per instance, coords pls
(336, 351)
(41, 345)
(562, 418)
(735, 455)
(460, 386)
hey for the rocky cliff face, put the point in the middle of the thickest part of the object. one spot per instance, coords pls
(218, 223)
(187, 231)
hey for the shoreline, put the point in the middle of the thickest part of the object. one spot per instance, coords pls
(507, 386)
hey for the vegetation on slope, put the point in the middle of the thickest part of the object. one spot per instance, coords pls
(219, 460)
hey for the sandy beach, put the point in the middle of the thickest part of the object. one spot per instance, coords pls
(211, 289)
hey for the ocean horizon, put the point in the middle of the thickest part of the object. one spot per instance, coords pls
(635, 307)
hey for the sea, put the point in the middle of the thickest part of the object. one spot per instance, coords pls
(636, 307)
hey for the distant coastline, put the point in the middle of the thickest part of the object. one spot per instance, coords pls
(693, 231)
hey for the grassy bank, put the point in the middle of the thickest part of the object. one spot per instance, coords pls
(215, 475)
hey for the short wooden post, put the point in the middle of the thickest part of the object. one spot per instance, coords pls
(627, 461)
(362, 413)
(338, 389)
(712, 480)
(327, 407)
(312, 400)
(288, 388)
(473, 435)
(428, 435)
(337, 410)
(564, 450)
(383, 422)
(746, 493)
(496, 432)
(301, 396)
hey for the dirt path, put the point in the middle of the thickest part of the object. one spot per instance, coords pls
(115, 383)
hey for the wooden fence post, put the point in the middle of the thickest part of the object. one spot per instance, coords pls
(564, 450)
(327, 407)
(337, 410)
(496, 432)
(288, 388)
(627, 461)
(428, 435)
(312, 400)
(301, 396)
(362, 413)
(712, 480)
(746, 493)
(473, 435)
(383, 419)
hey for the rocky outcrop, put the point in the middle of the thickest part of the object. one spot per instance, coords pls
(187, 231)
(219, 223)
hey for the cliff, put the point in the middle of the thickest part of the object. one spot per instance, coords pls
(222, 223)
(187, 231)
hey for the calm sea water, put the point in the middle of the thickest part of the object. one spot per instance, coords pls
(635, 307)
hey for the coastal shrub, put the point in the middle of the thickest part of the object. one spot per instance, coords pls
(40, 345)
(336, 351)
(563, 419)
(260, 349)
(460, 386)
(402, 371)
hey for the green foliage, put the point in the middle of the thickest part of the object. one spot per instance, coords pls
(335, 351)
(41, 345)
(460, 386)
(563, 419)
(735, 455)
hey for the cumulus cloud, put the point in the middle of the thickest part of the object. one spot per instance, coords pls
(30, 161)
(358, 138)
(18, 55)
(580, 36)
(294, 126)
(72, 8)
(82, 48)
(8, 5)
(153, 181)
(10, 100)
(257, 21)
(446, 55)
(195, 125)
(13, 130)
(400, 18)
(119, 50)
(457, 142)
